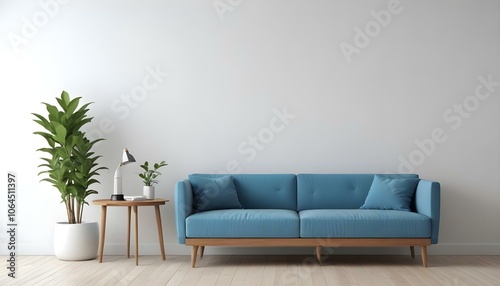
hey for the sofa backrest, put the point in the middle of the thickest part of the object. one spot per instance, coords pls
(335, 191)
(267, 191)
(264, 191)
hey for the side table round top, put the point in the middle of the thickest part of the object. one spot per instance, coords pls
(152, 202)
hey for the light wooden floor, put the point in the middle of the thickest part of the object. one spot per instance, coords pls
(257, 270)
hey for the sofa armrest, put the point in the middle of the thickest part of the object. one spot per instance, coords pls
(428, 202)
(183, 207)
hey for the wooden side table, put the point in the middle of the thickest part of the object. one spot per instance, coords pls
(104, 203)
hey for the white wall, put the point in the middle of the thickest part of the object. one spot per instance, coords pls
(221, 76)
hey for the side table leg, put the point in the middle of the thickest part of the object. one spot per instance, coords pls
(160, 232)
(128, 233)
(136, 236)
(103, 232)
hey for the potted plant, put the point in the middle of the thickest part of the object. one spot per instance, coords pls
(70, 166)
(149, 178)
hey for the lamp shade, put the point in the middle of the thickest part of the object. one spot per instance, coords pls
(127, 158)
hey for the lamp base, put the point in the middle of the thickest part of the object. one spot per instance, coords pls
(119, 197)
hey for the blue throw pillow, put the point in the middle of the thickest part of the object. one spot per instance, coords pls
(214, 193)
(390, 193)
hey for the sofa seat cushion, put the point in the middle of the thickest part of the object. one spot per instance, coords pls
(356, 223)
(236, 223)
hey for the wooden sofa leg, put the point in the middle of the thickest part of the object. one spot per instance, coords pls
(318, 253)
(202, 250)
(423, 251)
(194, 252)
(412, 250)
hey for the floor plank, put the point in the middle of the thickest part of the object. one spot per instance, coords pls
(251, 270)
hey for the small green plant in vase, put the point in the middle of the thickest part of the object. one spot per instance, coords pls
(149, 178)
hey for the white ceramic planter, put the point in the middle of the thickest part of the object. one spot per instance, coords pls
(76, 241)
(148, 192)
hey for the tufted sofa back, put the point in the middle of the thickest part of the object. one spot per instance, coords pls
(303, 191)
(335, 191)
(267, 191)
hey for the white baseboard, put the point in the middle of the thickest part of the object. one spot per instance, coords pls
(178, 249)
(464, 249)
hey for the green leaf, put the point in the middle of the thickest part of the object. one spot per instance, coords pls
(60, 133)
(65, 98)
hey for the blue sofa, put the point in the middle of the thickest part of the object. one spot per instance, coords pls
(307, 210)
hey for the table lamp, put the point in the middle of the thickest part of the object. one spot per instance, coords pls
(127, 158)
